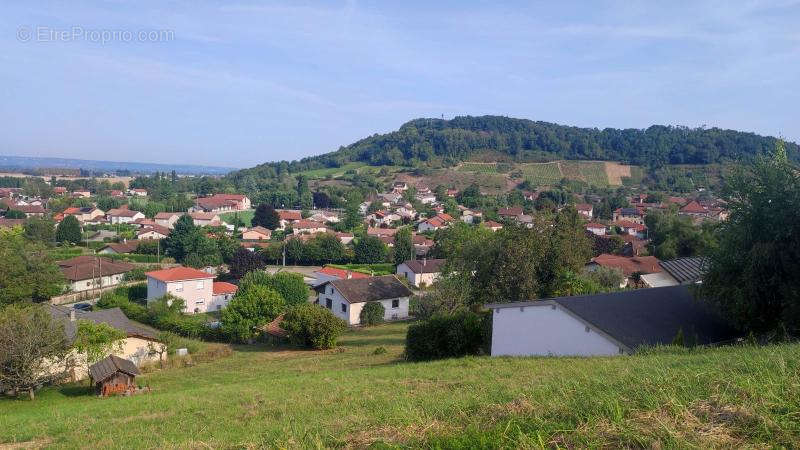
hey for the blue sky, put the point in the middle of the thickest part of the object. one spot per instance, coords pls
(240, 83)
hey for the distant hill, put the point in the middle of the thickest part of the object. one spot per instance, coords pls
(447, 142)
(33, 164)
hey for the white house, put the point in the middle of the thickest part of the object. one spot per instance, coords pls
(597, 228)
(116, 216)
(194, 286)
(346, 298)
(90, 272)
(421, 272)
(167, 219)
(221, 294)
(203, 219)
(603, 325)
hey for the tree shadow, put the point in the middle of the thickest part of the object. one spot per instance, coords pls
(75, 390)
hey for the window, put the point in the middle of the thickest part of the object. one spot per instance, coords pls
(344, 307)
(395, 303)
(200, 284)
(179, 287)
(199, 302)
(329, 303)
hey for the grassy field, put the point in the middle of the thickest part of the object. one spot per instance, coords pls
(353, 397)
(543, 174)
(478, 167)
(246, 216)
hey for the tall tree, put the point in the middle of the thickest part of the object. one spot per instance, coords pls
(754, 272)
(27, 271)
(370, 250)
(69, 230)
(403, 246)
(97, 340)
(266, 216)
(177, 242)
(40, 229)
(34, 349)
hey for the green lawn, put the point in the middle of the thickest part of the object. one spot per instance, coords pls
(246, 216)
(729, 397)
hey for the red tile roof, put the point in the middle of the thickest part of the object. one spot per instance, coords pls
(178, 274)
(342, 274)
(643, 264)
(629, 224)
(694, 207)
(221, 287)
(285, 214)
(595, 225)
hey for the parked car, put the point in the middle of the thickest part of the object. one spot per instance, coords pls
(82, 306)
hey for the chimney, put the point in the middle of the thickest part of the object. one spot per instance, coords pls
(72, 315)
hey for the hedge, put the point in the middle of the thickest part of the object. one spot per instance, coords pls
(449, 336)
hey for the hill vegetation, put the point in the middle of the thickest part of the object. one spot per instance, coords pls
(437, 142)
(732, 397)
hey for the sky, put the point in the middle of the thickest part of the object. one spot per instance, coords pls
(235, 84)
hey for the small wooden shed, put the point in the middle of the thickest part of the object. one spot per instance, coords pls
(114, 375)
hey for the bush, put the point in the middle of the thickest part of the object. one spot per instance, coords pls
(447, 336)
(253, 306)
(289, 285)
(311, 326)
(134, 311)
(371, 314)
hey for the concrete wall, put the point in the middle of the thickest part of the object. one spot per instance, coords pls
(545, 330)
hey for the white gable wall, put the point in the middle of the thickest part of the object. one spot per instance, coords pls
(545, 330)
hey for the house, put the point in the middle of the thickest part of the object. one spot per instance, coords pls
(113, 375)
(597, 228)
(511, 213)
(213, 204)
(134, 347)
(427, 198)
(345, 238)
(630, 266)
(604, 324)
(167, 219)
(346, 298)
(451, 192)
(138, 192)
(205, 219)
(152, 232)
(399, 186)
(324, 217)
(492, 225)
(123, 215)
(585, 209)
(59, 190)
(194, 286)
(84, 214)
(120, 248)
(632, 228)
(239, 202)
(434, 223)
(422, 244)
(221, 294)
(29, 210)
(378, 232)
(470, 216)
(304, 226)
(628, 214)
(677, 271)
(91, 272)
(421, 272)
(116, 193)
(257, 234)
(81, 194)
(288, 217)
(329, 273)
(693, 209)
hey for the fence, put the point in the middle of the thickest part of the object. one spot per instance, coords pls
(89, 294)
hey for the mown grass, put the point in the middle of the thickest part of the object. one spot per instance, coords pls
(246, 216)
(351, 397)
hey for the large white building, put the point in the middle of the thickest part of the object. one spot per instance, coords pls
(604, 324)
(346, 298)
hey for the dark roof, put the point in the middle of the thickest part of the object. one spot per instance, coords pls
(123, 247)
(646, 316)
(113, 317)
(629, 212)
(685, 270)
(425, 265)
(85, 267)
(359, 290)
(110, 365)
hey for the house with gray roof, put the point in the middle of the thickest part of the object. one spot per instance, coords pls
(677, 271)
(605, 324)
(346, 298)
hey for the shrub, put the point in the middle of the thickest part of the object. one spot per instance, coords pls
(379, 350)
(253, 306)
(134, 311)
(311, 326)
(448, 335)
(289, 285)
(372, 314)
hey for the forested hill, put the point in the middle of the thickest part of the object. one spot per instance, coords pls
(449, 141)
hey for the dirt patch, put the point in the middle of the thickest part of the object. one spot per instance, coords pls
(390, 434)
(36, 443)
(615, 172)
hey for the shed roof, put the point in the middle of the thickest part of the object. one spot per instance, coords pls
(686, 269)
(108, 366)
(425, 265)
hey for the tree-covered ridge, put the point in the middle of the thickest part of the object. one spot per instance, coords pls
(450, 141)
